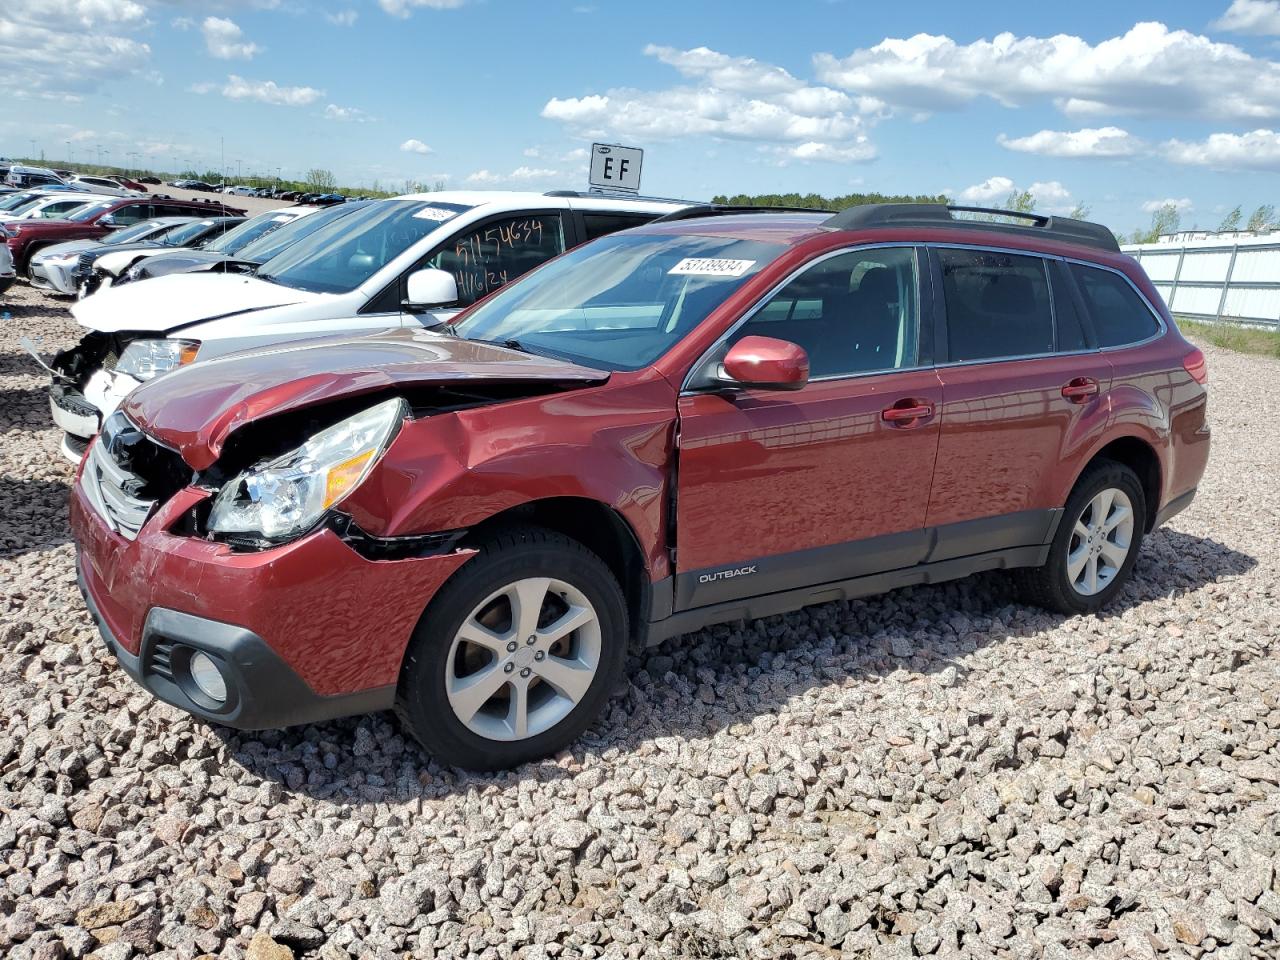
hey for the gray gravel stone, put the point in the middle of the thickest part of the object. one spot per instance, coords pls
(939, 772)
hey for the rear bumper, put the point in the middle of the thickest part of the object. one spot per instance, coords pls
(302, 632)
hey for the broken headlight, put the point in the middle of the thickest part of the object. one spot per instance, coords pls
(144, 359)
(288, 495)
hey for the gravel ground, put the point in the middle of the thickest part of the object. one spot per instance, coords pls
(940, 771)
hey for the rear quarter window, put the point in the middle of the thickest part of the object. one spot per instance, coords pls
(1119, 315)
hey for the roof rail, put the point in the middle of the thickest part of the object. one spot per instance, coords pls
(725, 209)
(871, 215)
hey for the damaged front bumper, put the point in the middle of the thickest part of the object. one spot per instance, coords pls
(293, 629)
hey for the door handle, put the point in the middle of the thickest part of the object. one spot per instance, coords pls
(907, 412)
(1080, 389)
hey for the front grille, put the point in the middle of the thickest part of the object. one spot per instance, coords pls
(127, 475)
(84, 267)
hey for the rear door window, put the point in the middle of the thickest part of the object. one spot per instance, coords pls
(499, 251)
(1072, 337)
(1119, 315)
(997, 305)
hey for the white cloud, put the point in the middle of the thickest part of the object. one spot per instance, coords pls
(988, 191)
(343, 18)
(403, 8)
(523, 174)
(346, 114)
(224, 38)
(1050, 195)
(734, 98)
(1089, 142)
(62, 49)
(1150, 70)
(1257, 150)
(812, 150)
(1251, 16)
(1181, 205)
(415, 146)
(532, 173)
(263, 91)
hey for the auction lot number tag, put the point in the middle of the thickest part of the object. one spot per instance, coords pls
(711, 267)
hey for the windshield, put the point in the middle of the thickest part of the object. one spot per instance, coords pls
(621, 302)
(185, 233)
(81, 214)
(233, 240)
(344, 254)
(15, 200)
(139, 231)
(278, 240)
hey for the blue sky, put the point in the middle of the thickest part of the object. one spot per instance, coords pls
(1115, 105)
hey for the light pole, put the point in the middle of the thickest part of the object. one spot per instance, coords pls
(71, 154)
(33, 149)
(99, 147)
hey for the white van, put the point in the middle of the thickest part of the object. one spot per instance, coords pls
(352, 274)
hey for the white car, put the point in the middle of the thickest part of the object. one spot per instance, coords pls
(102, 185)
(50, 206)
(51, 267)
(376, 267)
(240, 191)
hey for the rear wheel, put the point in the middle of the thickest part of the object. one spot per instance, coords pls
(1096, 545)
(516, 655)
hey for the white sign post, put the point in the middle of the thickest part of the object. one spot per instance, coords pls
(615, 168)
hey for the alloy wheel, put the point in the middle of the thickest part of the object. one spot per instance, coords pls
(1100, 542)
(523, 659)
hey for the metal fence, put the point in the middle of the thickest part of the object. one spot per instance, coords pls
(1207, 280)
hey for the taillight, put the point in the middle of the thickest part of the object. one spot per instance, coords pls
(1195, 365)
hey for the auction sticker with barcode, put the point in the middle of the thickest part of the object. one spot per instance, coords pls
(711, 267)
(435, 213)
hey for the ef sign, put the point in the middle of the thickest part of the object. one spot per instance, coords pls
(615, 168)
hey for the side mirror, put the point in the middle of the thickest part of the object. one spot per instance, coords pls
(767, 364)
(108, 221)
(430, 288)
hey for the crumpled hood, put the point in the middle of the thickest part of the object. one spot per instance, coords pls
(167, 302)
(193, 410)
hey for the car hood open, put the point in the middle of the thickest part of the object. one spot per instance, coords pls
(177, 301)
(193, 410)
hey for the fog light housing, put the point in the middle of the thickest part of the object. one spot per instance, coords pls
(207, 677)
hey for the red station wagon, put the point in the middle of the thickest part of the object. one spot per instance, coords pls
(715, 417)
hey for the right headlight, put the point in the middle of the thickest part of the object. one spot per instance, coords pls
(285, 497)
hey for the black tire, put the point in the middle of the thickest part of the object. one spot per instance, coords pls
(5, 284)
(1049, 586)
(422, 702)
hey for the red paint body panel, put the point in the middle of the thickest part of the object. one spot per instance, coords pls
(194, 409)
(1009, 437)
(316, 602)
(610, 443)
(765, 472)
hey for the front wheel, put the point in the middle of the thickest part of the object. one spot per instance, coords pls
(516, 655)
(1097, 543)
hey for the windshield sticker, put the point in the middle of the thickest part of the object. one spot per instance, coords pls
(435, 213)
(281, 219)
(711, 267)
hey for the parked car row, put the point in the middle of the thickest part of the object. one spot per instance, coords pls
(544, 429)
